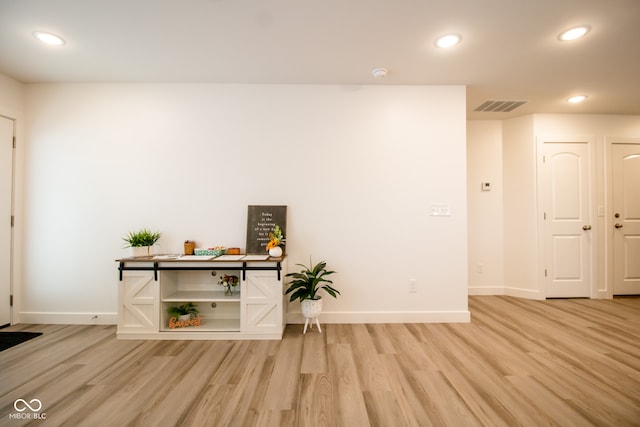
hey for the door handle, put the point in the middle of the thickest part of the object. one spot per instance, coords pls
(586, 227)
(618, 226)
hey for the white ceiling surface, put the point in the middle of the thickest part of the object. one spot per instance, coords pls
(509, 49)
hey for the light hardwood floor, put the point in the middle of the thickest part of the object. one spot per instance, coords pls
(519, 362)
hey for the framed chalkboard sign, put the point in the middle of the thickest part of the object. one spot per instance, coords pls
(261, 220)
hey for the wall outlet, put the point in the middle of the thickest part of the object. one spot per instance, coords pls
(480, 268)
(413, 286)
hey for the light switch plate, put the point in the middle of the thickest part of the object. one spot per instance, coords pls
(440, 209)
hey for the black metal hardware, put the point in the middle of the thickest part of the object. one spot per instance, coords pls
(156, 268)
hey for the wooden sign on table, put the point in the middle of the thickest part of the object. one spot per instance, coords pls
(261, 220)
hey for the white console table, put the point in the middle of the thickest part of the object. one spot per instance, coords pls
(148, 286)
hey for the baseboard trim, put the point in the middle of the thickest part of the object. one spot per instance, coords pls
(463, 316)
(486, 290)
(523, 293)
(512, 292)
(69, 318)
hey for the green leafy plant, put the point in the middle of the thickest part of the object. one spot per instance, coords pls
(143, 237)
(181, 310)
(309, 281)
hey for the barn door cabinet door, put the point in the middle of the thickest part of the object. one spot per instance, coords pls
(138, 302)
(262, 302)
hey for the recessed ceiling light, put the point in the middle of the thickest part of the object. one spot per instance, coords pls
(49, 38)
(577, 99)
(574, 33)
(448, 40)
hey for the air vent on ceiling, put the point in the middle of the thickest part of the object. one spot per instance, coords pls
(499, 106)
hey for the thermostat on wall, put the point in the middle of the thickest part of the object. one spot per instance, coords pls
(486, 186)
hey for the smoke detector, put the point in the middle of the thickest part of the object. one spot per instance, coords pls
(379, 73)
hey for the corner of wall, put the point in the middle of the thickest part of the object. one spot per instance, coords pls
(12, 104)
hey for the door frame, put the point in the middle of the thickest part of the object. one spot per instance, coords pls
(590, 140)
(608, 220)
(12, 226)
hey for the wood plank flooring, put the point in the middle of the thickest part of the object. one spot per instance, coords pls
(571, 362)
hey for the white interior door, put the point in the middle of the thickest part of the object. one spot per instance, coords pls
(567, 222)
(625, 187)
(6, 186)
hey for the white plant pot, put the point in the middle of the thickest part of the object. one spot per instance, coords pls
(142, 251)
(275, 252)
(185, 317)
(311, 308)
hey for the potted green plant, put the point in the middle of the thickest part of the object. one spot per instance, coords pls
(141, 241)
(305, 286)
(184, 312)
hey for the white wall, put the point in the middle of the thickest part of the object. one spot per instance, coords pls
(11, 97)
(486, 239)
(12, 106)
(358, 167)
(598, 125)
(520, 202)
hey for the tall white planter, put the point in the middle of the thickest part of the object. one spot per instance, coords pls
(311, 309)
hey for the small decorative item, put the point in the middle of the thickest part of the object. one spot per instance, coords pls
(218, 250)
(141, 241)
(189, 246)
(228, 281)
(213, 251)
(276, 239)
(260, 223)
(183, 315)
(305, 286)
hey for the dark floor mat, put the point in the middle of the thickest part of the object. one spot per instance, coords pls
(9, 339)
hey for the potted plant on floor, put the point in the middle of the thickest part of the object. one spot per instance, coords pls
(305, 286)
(141, 241)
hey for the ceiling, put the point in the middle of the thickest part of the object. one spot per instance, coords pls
(509, 51)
